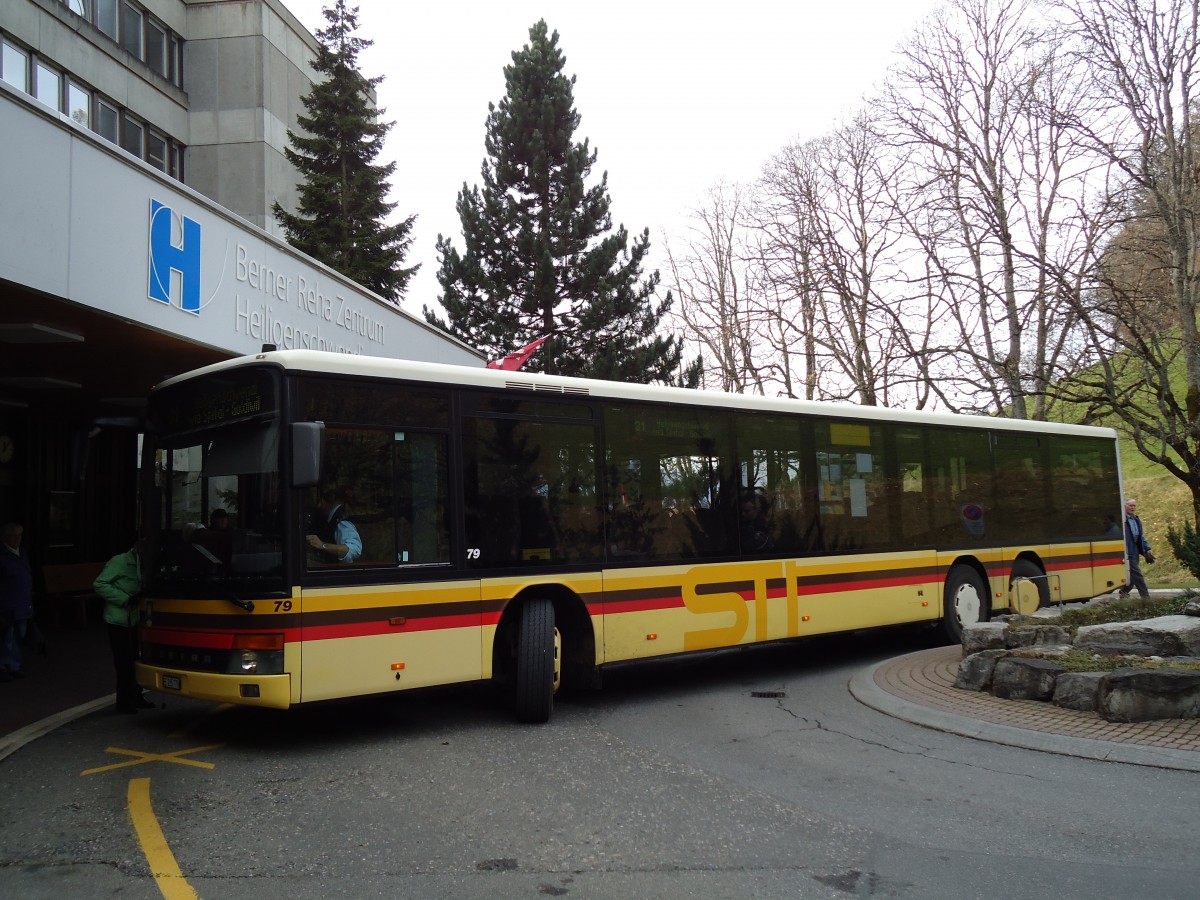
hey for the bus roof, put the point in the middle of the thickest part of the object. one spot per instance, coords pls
(329, 363)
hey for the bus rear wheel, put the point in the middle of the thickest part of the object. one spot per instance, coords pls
(965, 602)
(1028, 570)
(538, 661)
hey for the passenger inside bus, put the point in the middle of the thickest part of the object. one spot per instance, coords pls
(756, 522)
(332, 537)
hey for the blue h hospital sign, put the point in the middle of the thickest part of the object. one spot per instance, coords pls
(167, 258)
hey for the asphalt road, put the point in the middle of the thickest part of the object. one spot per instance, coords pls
(740, 775)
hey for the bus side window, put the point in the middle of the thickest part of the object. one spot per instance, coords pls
(530, 492)
(959, 486)
(355, 488)
(672, 491)
(774, 488)
(1085, 503)
(851, 486)
(911, 489)
(421, 484)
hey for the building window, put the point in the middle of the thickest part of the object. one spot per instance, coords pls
(57, 89)
(48, 86)
(14, 67)
(156, 150)
(131, 29)
(108, 121)
(79, 104)
(156, 48)
(106, 17)
(131, 136)
(176, 54)
(131, 26)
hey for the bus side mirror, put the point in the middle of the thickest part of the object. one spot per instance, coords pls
(308, 445)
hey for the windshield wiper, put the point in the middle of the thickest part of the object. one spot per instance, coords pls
(218, 588)
(247, 605)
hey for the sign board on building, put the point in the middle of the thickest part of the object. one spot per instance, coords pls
(90, 224)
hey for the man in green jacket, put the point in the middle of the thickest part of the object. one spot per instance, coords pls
(120, 585)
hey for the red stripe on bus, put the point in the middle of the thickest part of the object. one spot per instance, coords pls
(1072, 564)
(375, 627)
(642, 604)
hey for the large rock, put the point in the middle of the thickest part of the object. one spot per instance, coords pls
(1164, 636)
(975, 671)
(984, 636)
(1077, 690)
(1017, 678)
(1039, 636)
(1142, 695)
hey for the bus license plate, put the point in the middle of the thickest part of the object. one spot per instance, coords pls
(171, 682)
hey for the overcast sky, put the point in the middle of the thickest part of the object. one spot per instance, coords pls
(673, 96)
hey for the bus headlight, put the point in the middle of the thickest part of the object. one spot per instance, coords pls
(255, 662)
(256, 654)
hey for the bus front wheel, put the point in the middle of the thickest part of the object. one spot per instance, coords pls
(966, 602)
(537, 663)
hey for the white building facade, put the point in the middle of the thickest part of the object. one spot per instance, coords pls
(141, 153)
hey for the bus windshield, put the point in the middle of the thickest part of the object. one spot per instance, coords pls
(216, 521)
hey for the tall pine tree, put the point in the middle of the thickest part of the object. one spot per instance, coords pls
(343, 205)
(539, 258)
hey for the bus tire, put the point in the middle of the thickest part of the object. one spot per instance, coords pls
(536, 661)
(965, 602)
(1024, 568)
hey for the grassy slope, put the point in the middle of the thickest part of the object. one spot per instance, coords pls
(1163, 500)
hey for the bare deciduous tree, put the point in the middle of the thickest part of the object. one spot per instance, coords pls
(1143, 56)
(975, 100)
(713, 284)
(829, 230)
(786, 246)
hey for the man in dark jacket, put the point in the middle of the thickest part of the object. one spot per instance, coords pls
(16, 601)
(1136, 547)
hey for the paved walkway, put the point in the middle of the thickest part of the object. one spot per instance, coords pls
(919, 688)
(75, 677)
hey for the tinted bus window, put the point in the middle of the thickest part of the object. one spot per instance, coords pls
(385, 496)
(672, 484)
(529, 492)
(852, 486)
(1022, 500)
(778, 507)
(912, 490)
(371, 403)
(958, 487)
(540, 408)
(1086, 503)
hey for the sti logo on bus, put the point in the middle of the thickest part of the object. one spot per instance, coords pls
(174, 265)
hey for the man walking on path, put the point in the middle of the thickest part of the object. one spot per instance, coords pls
(1136, 546)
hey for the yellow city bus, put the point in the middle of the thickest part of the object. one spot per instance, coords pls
(396, 525)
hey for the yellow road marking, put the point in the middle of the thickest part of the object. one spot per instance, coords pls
(175, 756)
(167, 874)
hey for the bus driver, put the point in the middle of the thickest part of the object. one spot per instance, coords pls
(336, 539)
